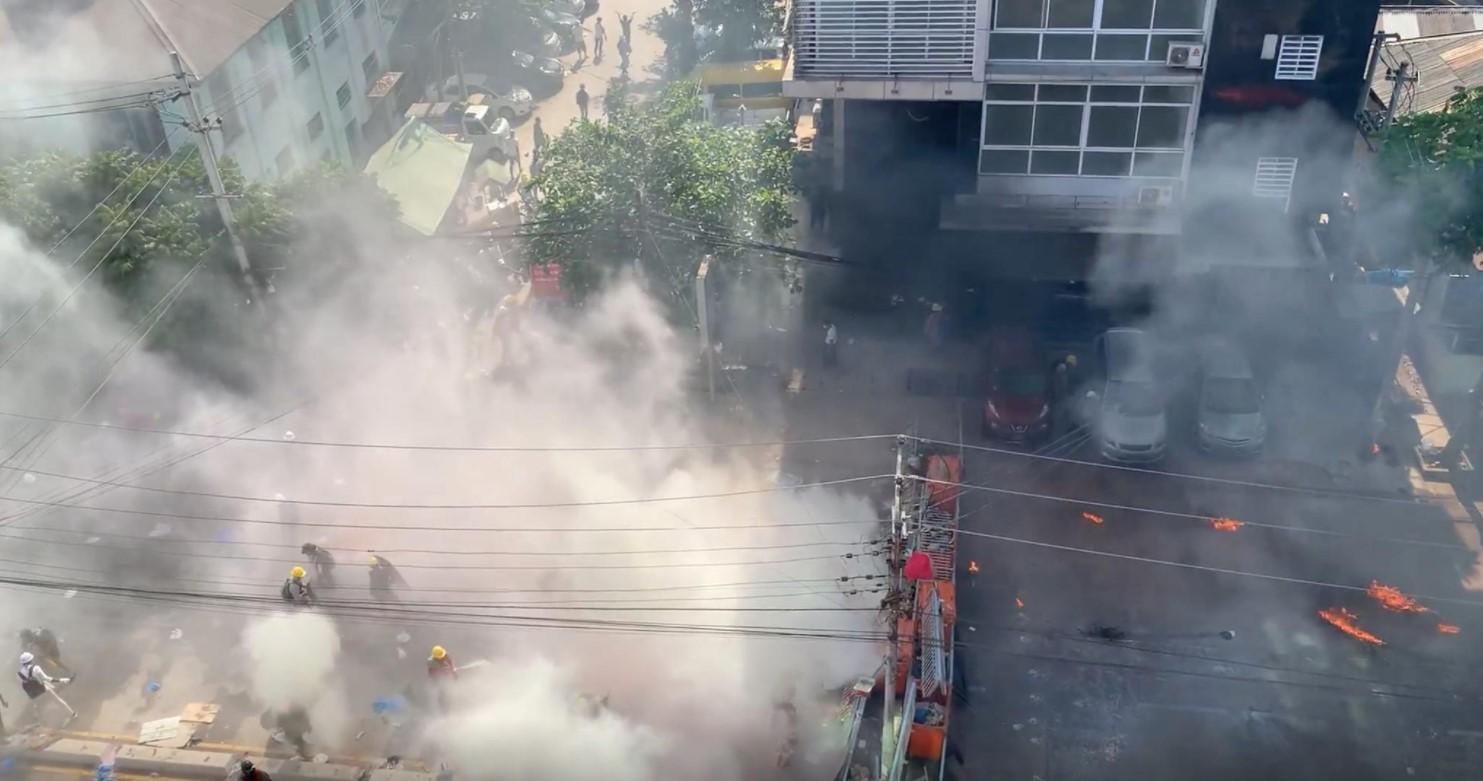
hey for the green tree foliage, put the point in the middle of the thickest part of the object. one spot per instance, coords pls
(1434, 161)
(652, 184)
(724, 29)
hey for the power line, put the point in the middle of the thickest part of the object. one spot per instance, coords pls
(104, 257)
(1206, 519)
(490, 506)
(446, 448)
(1178, 475)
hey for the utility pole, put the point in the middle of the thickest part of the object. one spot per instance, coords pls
(703, 317)
(1415, 290)
(213, 174)
(1362, 110)
(892, 601)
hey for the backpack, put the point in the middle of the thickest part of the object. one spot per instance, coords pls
(32, 687)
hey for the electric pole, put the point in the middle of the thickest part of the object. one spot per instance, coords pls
(1402, 78)
(213, 174)
(893, 607)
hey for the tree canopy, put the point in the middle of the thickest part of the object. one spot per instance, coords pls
(727, 29)
(1434, 159)
(654, 186)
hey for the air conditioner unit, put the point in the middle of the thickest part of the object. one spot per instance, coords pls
(1156, 195)
(1186, 55)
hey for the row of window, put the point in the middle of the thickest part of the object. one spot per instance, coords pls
(1100, 14)
(1086, 129)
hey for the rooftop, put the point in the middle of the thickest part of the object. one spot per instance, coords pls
(1444, 64)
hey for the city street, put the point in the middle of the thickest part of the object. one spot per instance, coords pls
(1096, 649)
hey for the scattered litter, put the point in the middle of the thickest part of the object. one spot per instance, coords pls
(403, 637)
(153, 687)
(289, 435)
(200, 712)
(972, 628)
(93, 540)
(359, 735)
(321, 758)
(166, 733)
(160, 529)
(1017, 727)
(69, 593)
(176, 634)
(401, 653)
(28, 478)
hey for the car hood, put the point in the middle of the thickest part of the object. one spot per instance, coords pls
(1011, 408)
(1129, 430)
(1234, 427)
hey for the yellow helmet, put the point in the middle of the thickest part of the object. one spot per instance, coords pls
(375, 560)
(297, 572)
(439, 652)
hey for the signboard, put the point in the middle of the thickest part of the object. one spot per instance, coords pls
(545, 281)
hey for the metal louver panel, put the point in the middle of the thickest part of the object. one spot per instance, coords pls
(1274, 178)
(1297, 58)
(884, 38)
(932, 642)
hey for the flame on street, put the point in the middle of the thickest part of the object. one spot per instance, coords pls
(1019, 603)
(972, 567)
(1225, 524)
(1448, 629)
(1346, 623)
(1093, 518)
(1392, 598)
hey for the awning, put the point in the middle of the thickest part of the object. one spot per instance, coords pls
(423, 170)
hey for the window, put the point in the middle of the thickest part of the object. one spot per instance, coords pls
(371, 67)
(358, 9)
(342, 95)
(1106, 30)
(1297, 57)
(293, 33)
(1274, 178)
(285, 160)
(329, 26)
(1087, 130)
(224, 100)
(315, 126)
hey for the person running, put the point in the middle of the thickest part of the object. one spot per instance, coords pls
(582, 100)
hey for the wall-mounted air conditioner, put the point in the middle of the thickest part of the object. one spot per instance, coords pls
(1156, 195)
(1186, 55)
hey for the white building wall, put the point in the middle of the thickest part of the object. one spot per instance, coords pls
(272, 92)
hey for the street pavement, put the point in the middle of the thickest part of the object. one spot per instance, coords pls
(1286, 696)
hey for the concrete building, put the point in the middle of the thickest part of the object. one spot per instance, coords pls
(1073, 116)
(290, 81)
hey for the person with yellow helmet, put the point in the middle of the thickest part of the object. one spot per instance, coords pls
(297, 589)
(441, 673)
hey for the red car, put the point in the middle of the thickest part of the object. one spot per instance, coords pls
(1018, 404)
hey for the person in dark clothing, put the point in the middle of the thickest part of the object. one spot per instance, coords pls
(626, 23)
(246, 771)
(47, 648)
(538, 139)
(582, 100)
(324, 563)
(384, 577)
(292, 726)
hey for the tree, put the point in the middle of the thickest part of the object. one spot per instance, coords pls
(654, 185)
(729, 29)
(1432, 160)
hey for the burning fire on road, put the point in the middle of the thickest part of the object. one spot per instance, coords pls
(1225, 524)
(1093, 518)
(1393, 599)
(1347, 623)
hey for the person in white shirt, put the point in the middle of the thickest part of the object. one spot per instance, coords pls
(831, 344)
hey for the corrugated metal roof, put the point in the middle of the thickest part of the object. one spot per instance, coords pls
(1443, 64)
(423, 170)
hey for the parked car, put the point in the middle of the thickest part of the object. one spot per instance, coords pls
(530, 33)
(1017, 406)
(543, 73)
(1132, 424)
(562, 23)
(510, 103)
(1229, 415)
(577, 8)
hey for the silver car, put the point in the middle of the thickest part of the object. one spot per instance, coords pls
(1132, 425)
(1229, 418)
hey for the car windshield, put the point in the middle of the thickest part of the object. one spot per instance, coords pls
(1138, 399)
(1019, 383)
(1230, 396)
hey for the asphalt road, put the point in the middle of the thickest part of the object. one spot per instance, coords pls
(1288, 696)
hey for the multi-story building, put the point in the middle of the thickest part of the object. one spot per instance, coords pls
(1073, 115)
(291, 81)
